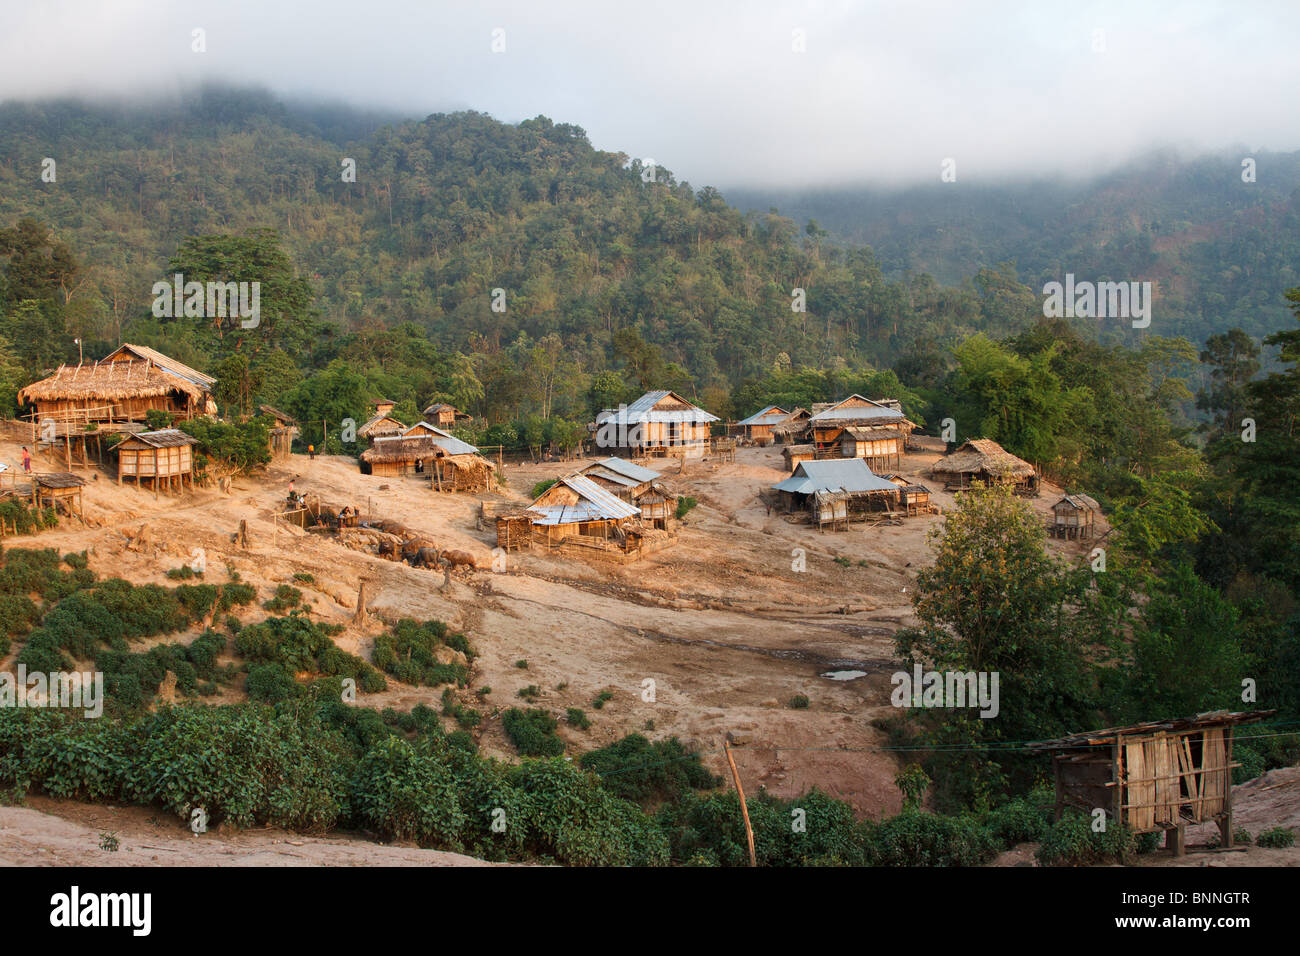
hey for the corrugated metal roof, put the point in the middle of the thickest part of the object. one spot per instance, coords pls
(871, 412)
(596, 504)
(771, 415)
(445, 440)
(643, 410)
(627, 469)
(834, 474)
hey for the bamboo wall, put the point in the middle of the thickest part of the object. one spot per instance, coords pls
(154, 462)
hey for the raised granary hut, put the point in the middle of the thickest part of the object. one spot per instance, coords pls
(982, 461)
(165, 458)
(1075, 516)
(576, 515)
(1160, 775)
(80, 403)
(760, 428)
(914, 499)
(793, 454)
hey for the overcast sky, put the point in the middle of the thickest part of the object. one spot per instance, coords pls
(715, 90)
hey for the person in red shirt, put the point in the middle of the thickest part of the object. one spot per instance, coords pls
(27, 461)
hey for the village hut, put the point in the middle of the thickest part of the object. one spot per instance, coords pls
(826, 424)
(793, 428)
(445, 416)
(58, 489)
(862, 489)
(879, 447)
(1074, 516)
(984, 461)
(912, 498)
(82, 402)
(757, 428)
(423, 449)
(576, 511)
(793, 454)
(283, 432)
(657, 424)
(636, 485)
(1160, 775)
(381, 424)
(165, 457)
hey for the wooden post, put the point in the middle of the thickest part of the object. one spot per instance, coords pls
(360, 616)
(744, 808)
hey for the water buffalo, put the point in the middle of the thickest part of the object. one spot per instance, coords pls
(425, 558)
(387, 550)
(459, 558)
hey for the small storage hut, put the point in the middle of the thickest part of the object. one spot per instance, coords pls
(285, 430)
(445, 416)
(56, 487)
(165, 457)
(1159, 775)
(984, 461)
(793, 454)
(1074, 516)
(912, 498)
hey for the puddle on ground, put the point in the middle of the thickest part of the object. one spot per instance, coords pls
(844, 675)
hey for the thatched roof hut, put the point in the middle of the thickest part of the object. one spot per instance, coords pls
(984, 461)
(124, 386)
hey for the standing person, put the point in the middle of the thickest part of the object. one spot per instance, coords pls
(311, 452)
(27, 461)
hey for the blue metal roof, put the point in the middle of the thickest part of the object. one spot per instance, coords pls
(834, 474)
(772, 415)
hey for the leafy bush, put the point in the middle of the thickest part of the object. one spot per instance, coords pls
(636, 769)
(917, 838)
(798, 702)
(684, 505)
(540, 487)
(577, 717)
(532, 732)
(407, 792)
(1277, 838)
(1071, 841)
(409, 653)
(1022, 820)
(286, 598)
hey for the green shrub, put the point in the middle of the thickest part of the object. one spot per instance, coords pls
(532, 732)
(798, 702)
(1277, 838)
(601, 698)
(636, 769)
(286, 598)
(577, 717)
(1022, 820)
(540, 487)
(1071, 841)
(409, 653)
(917, 838)
(270, 683)
(407, 792)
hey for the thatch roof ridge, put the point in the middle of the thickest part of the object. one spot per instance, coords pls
(983, 454)
(109, 380)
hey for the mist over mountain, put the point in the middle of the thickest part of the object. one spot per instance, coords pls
(1222, 250)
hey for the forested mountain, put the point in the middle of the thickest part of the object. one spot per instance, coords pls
(587, 245)
(1223, 251)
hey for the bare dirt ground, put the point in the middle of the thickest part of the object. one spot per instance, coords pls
(720, 622)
